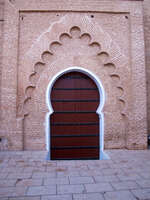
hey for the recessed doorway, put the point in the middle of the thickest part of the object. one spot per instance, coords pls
(74, 124)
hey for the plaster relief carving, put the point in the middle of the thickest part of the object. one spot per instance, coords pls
(110, 67)
(67, 45)
(42, 39)
(81, 42)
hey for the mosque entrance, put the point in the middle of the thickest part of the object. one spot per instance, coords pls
(74, 124)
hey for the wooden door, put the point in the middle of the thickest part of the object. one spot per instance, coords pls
(74, 125)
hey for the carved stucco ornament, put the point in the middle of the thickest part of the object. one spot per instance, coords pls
(44, 51)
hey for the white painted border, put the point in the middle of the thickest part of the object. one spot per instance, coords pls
(98, 111)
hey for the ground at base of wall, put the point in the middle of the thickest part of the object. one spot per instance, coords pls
(28, 176)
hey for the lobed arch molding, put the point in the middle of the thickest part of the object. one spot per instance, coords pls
(44, 45)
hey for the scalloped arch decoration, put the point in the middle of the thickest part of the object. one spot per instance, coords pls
(102, 154)
(49, 41)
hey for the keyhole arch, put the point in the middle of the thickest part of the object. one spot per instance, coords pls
(98, 83)
(72, 91)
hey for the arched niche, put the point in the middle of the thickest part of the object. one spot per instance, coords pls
(98, 83)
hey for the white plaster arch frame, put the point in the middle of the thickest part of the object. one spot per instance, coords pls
(102, 154)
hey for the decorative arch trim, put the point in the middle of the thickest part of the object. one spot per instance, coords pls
(99, 111)
(43, 47)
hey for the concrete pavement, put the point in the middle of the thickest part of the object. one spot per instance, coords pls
(28, 176)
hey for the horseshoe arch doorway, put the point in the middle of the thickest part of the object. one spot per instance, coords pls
(75, 123)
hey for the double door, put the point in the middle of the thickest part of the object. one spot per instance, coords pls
(74, 124)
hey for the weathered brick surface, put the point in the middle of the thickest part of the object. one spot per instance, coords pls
(1, 40)
(146, 6)
(23, 92)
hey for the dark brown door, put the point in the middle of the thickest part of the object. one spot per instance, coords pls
(74, 123)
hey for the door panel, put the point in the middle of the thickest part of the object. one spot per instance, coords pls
(71, 154)
(75, 106)
(74, 125)
(86, 94)
(57, 130)
(74, 117)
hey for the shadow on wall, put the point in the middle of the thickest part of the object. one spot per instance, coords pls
(3, 143)
(148, 141)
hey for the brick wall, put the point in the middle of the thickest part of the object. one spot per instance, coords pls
(1, 35)
(146, 5)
